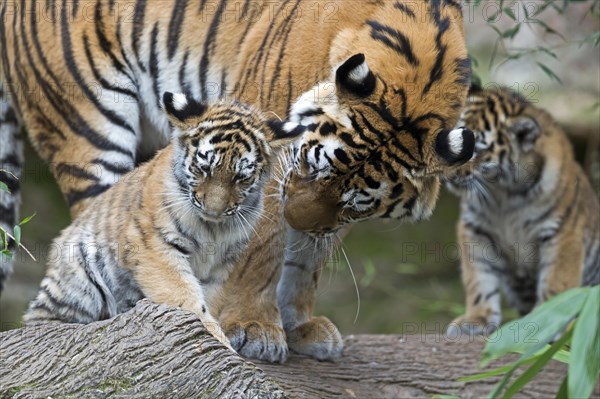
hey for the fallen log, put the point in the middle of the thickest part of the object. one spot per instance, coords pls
(154, 351)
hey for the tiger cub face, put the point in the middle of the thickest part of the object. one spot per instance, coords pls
(506, 129)
(222, 155)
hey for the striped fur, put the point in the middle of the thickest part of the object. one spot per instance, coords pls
(530, 220)
(11, 160)
(392, 77)
(190, 214)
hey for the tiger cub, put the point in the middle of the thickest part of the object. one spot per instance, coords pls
(172, 229)
(529, 217)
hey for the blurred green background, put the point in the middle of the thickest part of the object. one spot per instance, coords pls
(408, 276)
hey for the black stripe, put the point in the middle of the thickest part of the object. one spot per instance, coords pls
(90, 274)
(463, 70)
(115, 168)
(7, 215)
(75, 7)
(74, 170)
(136, 32)
(59, 304)
(74, 196)
(70, 58)
(257, 58)
(154, 68)
(477, 300)
(185, 87)
(175, 24)
(11, 182)
(105, 84)
(269, 281)
(406, 10)
(394, 39)
(178, 247)
(276, 73)
(105, 44)
(491, 294)
(9, 117)
(209, 44)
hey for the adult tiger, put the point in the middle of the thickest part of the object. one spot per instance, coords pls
(379, 84)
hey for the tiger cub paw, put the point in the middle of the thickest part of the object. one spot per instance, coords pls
(318, 338)
(260, 341)
(474, 325)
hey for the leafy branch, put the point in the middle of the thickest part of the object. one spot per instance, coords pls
(533, 19)
(16, 233)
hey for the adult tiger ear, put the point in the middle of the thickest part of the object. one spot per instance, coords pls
(526, 131)
(181, 109)
(455, 146)
(355, 77)
(282, 133)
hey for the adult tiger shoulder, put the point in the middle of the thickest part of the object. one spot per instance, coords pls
(530, 219)
(378, 84)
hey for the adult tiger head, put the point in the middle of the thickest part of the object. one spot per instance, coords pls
(380, 130)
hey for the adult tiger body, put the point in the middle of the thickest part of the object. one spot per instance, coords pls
(379, 89)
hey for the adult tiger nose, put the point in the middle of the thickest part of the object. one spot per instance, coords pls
(309, 208)
(455, 146)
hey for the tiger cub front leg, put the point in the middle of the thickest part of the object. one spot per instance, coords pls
(247, 309)
(170, 281)
(305, 258)
(481, 266)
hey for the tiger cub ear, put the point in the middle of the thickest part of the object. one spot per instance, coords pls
(282, 133)
(526, 131)
(182, 109)
(355, 77)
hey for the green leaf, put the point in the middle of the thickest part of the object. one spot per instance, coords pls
(548, 28)
(585, 348)
(550, 73)
(539, 326)
(8, 254)
(510, 13)
(4, 187)
(525, 358)
(548, 51)
(4, 240)
(536, 367)
(525, 11)
(17, 235)
(511, 33)
(27, 219)
(562, 391)
(495, 372)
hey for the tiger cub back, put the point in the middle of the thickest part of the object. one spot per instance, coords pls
(172, 229)
(529, 217)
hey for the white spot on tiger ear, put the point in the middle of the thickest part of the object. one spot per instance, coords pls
(179, 101)
(455, 141)
(289, 126)
(360, 73)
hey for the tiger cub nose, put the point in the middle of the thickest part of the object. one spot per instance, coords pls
(455, 146)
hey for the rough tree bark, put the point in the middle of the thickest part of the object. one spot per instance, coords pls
(154, 351)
